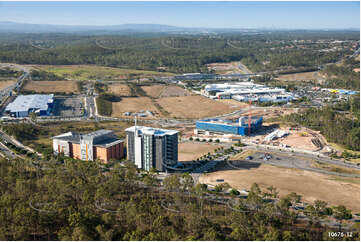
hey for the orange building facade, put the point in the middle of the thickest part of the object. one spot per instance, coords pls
(100, 145)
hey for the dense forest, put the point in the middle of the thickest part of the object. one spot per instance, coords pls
(279, 50)
(65, 199)
(344, 75)
(339, 123)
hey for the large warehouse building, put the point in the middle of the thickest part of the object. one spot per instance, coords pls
(229, 127)
(23, 105)
(101, 144)
(245, 91)
(152, 148)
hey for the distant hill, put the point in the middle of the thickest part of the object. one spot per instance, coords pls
(12, 27)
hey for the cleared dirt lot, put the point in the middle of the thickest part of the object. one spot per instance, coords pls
(314, 75)
(296, 139)
(133, 104)
(153, 91)
(311, 185)
(52, 86)
(228, 67)
(158, 91)
(191, 151)
(5, 84)
(194, 107)
(119, 89)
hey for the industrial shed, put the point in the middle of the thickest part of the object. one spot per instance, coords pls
(25, 104)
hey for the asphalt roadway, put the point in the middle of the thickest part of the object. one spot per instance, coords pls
(286, 162)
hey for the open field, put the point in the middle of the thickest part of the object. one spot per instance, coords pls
(6, 83)
(314, 75)
(311, 185)
(158, 91)
(92, 72)
(191, 151)
(133, 104)
(228, 67)
(52, 86)
(119, 89)
(234, 103)
(194, 107)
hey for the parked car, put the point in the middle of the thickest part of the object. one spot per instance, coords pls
(249, 158)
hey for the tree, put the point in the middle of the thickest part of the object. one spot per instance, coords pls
(294, 198)
(234, 192)
(32, 116)
(172, 182)
(340, 213)
(200, 190)
(187, 182)
(271, 192)
(320, 207)
(255, 196)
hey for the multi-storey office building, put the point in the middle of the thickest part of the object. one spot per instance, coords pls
(221, 126)
(152, 148)
(101, 144)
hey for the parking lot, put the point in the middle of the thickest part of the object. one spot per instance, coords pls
(68, 106)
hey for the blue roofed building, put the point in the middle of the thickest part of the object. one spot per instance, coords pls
(222, 126)
(23, 105)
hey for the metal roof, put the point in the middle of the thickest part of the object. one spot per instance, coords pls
(23, 103)
(152, 131)
(100, 132)
(75, 137)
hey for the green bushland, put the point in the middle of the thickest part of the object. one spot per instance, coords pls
(8, 72)
(139, 55)
(339, 123)
(104, 106)
(69, 201)
(39, 75)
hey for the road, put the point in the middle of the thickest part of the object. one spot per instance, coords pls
(281, 159)
(6, 151)
(322, 159)
(6, 92)
(90, 107)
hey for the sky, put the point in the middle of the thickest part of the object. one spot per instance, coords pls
(293, 15)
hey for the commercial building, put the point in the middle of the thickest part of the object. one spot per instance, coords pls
(228, 126)
(152, 148)
(25, 104)
(245, 91)
(101, 144)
